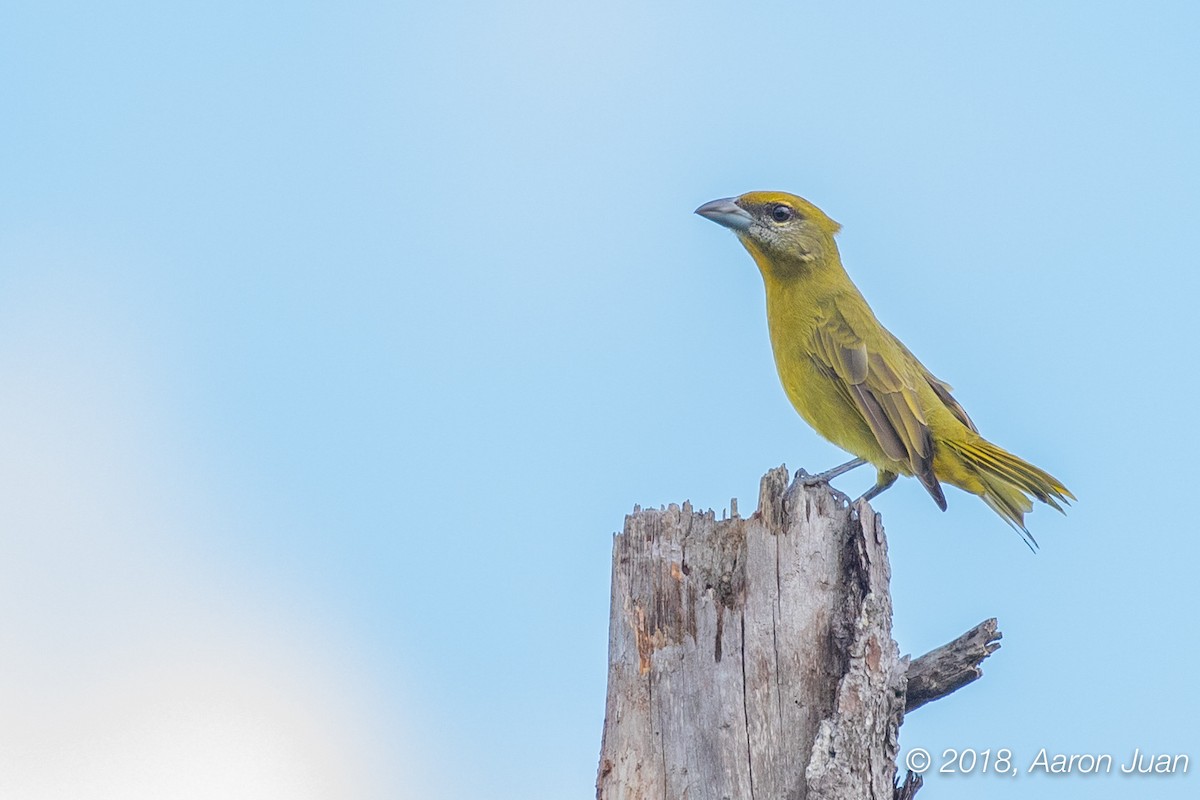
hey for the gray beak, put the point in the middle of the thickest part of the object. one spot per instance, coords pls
(726, 212)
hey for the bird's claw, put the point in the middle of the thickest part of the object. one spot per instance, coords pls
(803, 478)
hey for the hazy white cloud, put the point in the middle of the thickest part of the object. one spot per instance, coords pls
(135, 664)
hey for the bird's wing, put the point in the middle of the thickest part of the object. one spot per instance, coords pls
(942, 389)
(881, 387)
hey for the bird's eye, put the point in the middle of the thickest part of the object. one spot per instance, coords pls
(781, 213)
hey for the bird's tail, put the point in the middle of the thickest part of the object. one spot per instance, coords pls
(1009, 484)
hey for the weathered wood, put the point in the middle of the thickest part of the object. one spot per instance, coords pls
(951, 666)
(907, 789)
(752, 657)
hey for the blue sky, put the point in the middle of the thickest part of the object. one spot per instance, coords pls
(337, 340)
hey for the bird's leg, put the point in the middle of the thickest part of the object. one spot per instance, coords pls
(829, 474)
(884, 480)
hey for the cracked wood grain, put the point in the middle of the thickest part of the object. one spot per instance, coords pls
(752, 657)
(951, 666)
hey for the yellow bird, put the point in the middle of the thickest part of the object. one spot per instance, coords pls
(853, 381)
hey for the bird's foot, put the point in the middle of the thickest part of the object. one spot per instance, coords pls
(805, 479)
(886, 479)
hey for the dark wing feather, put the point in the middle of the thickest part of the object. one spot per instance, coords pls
(943, 390)
(940, 388)
(882, 391)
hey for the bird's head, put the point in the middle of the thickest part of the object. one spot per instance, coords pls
(778, 228)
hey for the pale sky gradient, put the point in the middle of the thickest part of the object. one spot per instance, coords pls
(338, 339)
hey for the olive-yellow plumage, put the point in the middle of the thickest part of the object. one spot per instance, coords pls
(853, 381)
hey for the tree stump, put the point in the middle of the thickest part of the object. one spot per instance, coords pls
(753, 658)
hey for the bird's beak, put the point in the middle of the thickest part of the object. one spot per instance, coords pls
(726, 212)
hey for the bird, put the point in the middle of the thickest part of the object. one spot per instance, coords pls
(857, 384)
